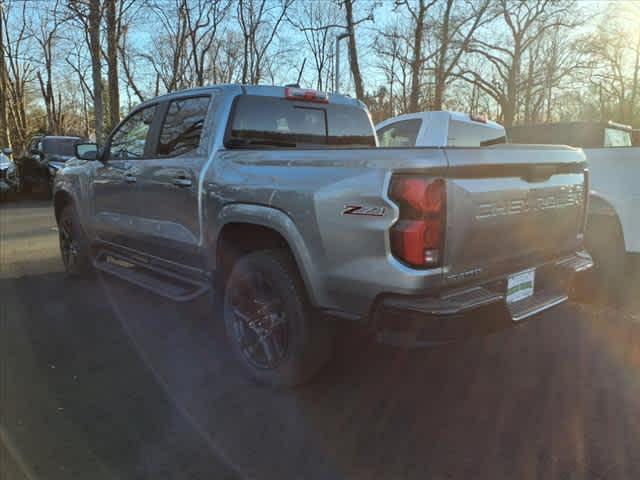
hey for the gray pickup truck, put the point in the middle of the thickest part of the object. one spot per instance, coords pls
(280, 197)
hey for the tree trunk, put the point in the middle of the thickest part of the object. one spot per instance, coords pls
(634, 85)
(511, 100)
(416, 62)
(353, 51)
(112, 63)
(96, 67)
(438, 99)
(5, 138)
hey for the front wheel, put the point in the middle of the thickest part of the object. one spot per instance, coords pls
(74, 247)
(272, 329)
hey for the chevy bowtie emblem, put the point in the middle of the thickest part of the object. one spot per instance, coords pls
(362, 210)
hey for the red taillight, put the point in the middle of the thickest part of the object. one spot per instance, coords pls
(417, 237)
(305, 95)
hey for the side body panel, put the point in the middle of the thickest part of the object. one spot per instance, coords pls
(346, 258)
(614, 174)
(115, 203)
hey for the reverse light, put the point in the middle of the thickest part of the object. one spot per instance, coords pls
(306, 95)
(417, 237)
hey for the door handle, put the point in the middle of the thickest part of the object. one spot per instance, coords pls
(130, 178)
(182, 182)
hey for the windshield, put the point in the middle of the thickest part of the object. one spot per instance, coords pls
(278, 122)
(617, 138)
(59, 146)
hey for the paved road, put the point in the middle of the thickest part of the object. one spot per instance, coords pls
(101, 380)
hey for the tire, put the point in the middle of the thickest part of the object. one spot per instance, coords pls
(273, 331)
(74, 246)
(605, 242)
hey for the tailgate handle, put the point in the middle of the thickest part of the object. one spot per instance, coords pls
(539, 173)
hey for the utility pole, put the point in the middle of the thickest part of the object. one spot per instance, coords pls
(336, 86)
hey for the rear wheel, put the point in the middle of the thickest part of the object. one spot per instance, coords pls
(273, 330)
(74, 246)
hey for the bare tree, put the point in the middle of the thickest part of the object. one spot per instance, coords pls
(393, 61)
(318, 21)
(94, 17)
(353, 48)
(19, 71)
(113, 33)
(88, 15)
(525, 21)
(418, 15)
(456, 26)
(259, 22)
(203, 21)
(47, 36)
(126, 61)
(5, 138)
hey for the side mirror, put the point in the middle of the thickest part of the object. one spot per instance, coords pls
(7, 151)
(86, 151)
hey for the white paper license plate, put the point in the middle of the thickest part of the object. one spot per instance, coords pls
(520, 286)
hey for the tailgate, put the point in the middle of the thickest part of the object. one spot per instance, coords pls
(510, 208)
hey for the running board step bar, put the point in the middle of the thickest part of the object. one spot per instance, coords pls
(535, 304)
(150, 277)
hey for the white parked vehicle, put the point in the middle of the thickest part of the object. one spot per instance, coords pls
(613, 230)
(439, 129)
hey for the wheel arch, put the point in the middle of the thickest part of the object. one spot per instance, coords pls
(61, 199)
(600, 206)
(250, 227)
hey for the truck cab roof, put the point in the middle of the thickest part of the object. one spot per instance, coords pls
(262, 90)
(441, 129)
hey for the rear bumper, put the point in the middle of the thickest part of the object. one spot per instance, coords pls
(408, 320)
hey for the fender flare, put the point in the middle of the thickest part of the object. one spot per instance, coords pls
(276, 220)
(69, 192)
(600, 205)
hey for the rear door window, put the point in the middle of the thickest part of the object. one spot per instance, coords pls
(182, 128)
(260, 121)
(400, 134)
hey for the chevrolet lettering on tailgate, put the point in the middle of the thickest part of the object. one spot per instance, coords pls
(535, 201)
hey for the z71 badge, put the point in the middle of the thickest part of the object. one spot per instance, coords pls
(362, 210)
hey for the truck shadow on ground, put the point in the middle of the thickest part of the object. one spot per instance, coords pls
(150, 390)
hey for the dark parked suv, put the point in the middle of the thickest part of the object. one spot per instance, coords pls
(45, 155)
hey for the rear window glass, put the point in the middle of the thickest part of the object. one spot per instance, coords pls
(400, 134)
(182, 126)
(473, 134)
(59, 146)
(277, 122)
